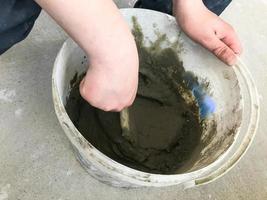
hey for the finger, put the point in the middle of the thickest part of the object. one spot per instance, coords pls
(230, 38)
(221, 50)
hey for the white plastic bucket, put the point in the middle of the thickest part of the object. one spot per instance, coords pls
(232, 88)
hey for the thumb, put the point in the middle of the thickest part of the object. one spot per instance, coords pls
(221, 50)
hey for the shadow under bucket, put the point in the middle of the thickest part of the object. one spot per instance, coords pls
(185, 140)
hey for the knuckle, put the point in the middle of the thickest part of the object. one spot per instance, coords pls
(205, 39)
(220, 51)
(85, 95)
(107, 108)
(82, 91)
(229, 28)
(85, 92)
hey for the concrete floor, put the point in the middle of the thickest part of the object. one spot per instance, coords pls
(36, 159)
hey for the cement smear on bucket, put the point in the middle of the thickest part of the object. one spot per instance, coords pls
(164, 119)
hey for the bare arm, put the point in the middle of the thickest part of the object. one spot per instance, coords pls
(98, 27)
(208, 29)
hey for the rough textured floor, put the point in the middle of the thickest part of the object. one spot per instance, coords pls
(36, 159)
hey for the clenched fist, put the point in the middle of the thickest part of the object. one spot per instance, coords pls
(112, 87)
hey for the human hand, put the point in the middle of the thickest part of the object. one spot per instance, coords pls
(112, 85)
(208, 29)
(100, 30)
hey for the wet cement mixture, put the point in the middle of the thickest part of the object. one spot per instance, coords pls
(164, 119)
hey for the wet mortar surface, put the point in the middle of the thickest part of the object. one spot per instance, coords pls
(165, 128)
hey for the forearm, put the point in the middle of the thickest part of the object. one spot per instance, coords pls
(186, 2)
(96, 25)
(185, 6)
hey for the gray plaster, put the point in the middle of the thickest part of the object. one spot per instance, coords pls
(36, 159)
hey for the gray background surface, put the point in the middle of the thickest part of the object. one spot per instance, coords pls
(36, 159)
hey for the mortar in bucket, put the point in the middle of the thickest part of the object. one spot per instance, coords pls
(227, 134)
